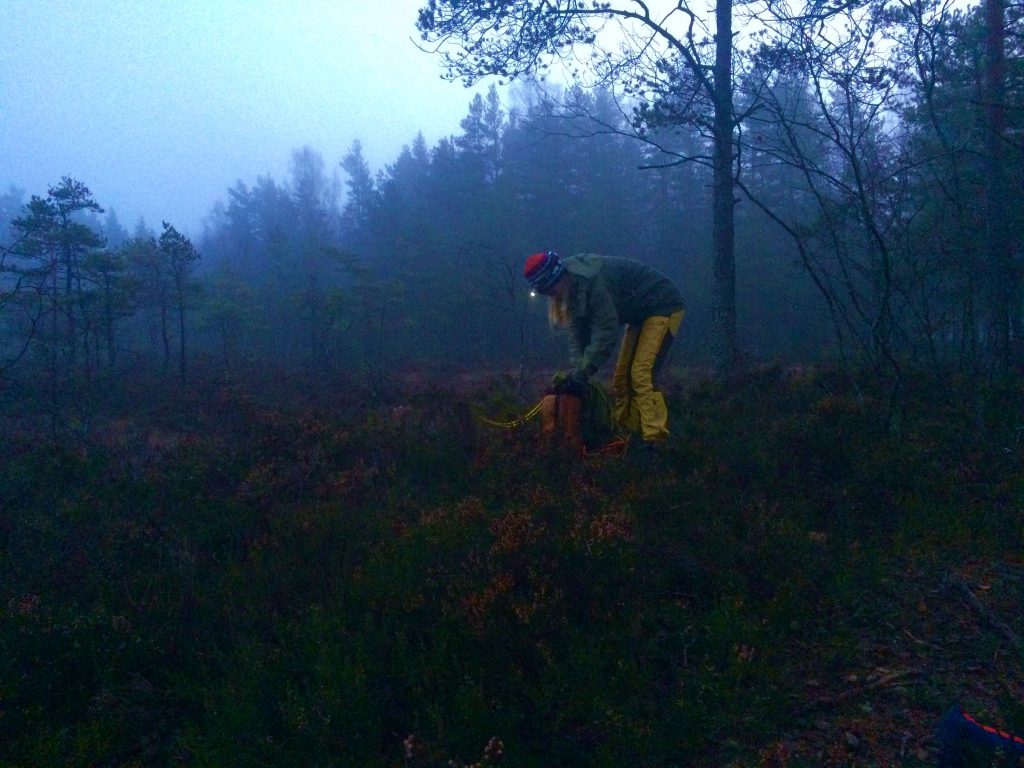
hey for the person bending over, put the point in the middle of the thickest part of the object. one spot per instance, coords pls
(591, 296)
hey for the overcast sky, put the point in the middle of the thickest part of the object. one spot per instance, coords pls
(160, 105)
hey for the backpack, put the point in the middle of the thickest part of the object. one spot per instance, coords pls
(579, 416)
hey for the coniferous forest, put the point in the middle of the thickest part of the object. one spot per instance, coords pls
(267, 495)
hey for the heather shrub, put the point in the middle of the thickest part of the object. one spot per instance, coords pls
(251, 582)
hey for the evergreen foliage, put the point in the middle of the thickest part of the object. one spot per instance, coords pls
(299, 547)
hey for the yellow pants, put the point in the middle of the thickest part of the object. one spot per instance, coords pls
(639, 405)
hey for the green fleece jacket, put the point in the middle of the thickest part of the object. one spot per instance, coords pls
(606, 292)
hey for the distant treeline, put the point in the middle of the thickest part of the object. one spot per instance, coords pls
(864, 233)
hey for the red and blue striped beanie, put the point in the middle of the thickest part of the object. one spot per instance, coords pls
(542, 270)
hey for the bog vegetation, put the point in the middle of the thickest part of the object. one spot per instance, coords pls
(241, 575)
(250, 514)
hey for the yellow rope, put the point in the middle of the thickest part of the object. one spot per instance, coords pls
(615, 448)
(515, 422)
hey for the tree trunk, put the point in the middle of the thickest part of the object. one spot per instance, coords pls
(997, 250)
(181, 331)
(165, 330)
(108, 321)
(726, 357)
(69, 308)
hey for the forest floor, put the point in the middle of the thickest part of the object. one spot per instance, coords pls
(811, 575)
(935, 647)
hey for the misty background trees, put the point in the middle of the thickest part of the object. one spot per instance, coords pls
(876, 167)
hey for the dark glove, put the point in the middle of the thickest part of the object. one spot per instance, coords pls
(572, 382)
(579, 377)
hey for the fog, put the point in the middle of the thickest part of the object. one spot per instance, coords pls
(160, 106)
(247, 110)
